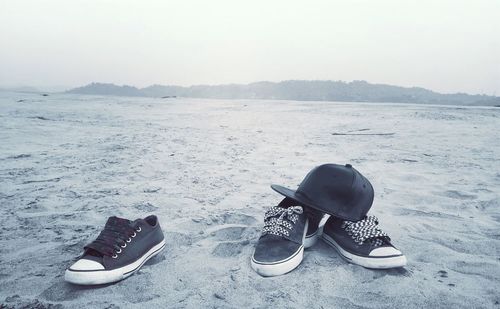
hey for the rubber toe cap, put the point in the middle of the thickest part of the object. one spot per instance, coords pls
(85, 264)
(385, 251)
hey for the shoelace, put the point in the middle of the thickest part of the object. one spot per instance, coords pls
(115, 236)
(279, 221)
(365, 229)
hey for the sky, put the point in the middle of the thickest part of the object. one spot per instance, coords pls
(447, 45)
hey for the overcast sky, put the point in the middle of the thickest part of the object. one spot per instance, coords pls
(445, 45)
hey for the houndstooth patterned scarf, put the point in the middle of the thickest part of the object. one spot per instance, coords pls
(279, 221)
(365, 229)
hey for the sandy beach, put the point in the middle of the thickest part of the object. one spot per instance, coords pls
(204, 167)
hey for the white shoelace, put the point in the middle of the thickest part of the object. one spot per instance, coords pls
(279, 221)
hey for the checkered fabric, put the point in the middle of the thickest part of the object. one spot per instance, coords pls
(365, 229)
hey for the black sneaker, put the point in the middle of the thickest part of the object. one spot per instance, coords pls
(280, 249)
(363, 243)
(118, 252)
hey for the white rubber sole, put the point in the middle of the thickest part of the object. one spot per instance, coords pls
(281, 267)
(114, 275)
(368, 262)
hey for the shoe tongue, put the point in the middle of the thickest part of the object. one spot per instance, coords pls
(93, 255)
(118, 221)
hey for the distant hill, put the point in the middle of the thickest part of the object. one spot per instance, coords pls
(108, 89)
(355, 91)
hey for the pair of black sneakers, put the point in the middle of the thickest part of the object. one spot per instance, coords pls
(290, 228)
(339, 191)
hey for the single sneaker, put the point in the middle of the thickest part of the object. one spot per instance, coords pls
(280, 248)
(363, 243)
(118, 252)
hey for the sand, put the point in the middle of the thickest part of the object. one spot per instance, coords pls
(67, 162)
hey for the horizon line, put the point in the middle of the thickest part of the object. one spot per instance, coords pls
(68, 88)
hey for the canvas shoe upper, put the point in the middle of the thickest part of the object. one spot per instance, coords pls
(362, 242)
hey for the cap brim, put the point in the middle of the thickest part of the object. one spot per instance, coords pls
(294, 196)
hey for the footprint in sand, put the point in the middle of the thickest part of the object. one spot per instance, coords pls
(62, 291)
(233, 235)
(228, 233)
(227, 218)
(235, 218)
(232, 240)
(176, 240)
(230, 248)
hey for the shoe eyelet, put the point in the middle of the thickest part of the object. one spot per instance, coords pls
(128, 240)
(124, 245)
(133, 235)
(114, 256)
(119, 251)
(138, 230)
